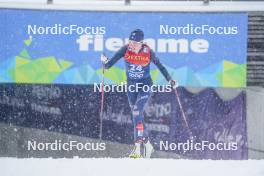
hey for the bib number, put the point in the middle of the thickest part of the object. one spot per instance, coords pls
(136, 68)
(135, 71)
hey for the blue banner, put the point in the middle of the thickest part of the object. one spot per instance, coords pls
(198, 49)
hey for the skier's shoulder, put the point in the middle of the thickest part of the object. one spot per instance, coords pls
(122, 50)
(146, 48)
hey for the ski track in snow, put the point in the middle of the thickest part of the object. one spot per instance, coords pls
(129, 167)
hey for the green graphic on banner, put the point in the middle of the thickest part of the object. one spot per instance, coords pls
(23, 69)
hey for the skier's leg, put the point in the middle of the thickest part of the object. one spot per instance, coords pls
(141, 132)
(132, 98)
(136, 152)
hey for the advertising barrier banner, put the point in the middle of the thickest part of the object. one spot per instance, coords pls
(198, 49)
(218, 127)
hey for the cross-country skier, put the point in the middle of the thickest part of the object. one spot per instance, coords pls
(138, 56)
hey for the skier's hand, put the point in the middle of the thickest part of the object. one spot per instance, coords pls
(173, 83)
(104, 59)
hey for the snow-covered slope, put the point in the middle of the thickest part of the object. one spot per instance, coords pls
(128, 167)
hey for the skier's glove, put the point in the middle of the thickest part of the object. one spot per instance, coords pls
(104, 59)
(173, 83)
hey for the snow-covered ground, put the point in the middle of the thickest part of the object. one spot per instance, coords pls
(128, 167)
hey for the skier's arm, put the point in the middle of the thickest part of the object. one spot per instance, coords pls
(162, 69)
(119, 54)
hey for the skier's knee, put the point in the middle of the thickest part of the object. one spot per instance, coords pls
(135, 112)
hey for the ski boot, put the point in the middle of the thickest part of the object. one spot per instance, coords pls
(148, 149)
(136, 152)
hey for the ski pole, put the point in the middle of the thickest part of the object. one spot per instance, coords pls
(183, 114)
(102, 105)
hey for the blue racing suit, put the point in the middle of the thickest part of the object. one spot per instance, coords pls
(138, 74)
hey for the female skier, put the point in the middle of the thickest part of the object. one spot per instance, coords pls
(138, 57)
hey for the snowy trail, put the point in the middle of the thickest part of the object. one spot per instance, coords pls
(129, 167)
